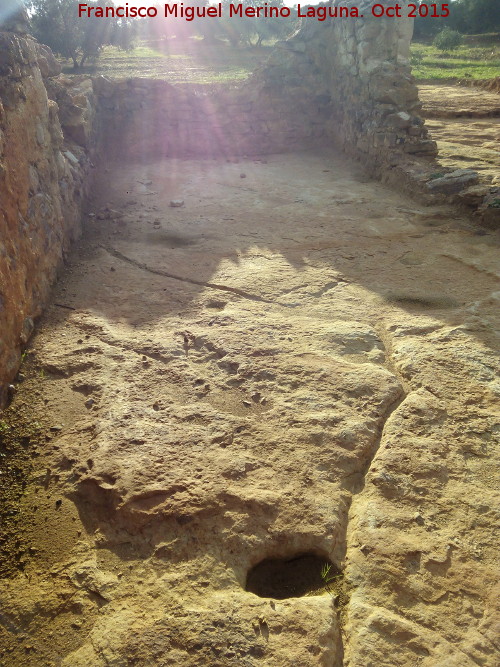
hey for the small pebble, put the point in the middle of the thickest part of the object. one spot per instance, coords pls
(176, 203)
(242, 175)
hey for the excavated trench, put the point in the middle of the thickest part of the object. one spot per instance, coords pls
(291, 370)
(259, 409)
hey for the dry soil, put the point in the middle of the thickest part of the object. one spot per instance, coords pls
(465, 122)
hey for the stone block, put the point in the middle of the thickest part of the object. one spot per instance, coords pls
(453, 182)
(47, 62)
(400, 120)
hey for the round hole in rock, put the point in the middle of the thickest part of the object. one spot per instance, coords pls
(293, 577)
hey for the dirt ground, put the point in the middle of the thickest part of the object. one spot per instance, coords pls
(465, 122)
(294, 363)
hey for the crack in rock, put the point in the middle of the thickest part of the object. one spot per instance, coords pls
(192, 281)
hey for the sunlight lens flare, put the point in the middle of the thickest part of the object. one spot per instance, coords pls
(9, 8)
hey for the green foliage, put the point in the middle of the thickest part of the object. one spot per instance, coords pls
(470, 17)
(244, 29)
(238, 31)
(475, 16)
(447, 40)
(327, 578)
(57, 24)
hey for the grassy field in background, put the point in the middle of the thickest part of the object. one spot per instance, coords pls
(183, 61)
(466, 62)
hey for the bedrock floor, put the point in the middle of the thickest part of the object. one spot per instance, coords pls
(297, 363)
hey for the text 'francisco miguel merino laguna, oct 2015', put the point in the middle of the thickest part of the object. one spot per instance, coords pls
(233, 10)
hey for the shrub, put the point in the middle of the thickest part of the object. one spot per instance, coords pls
(447, 39)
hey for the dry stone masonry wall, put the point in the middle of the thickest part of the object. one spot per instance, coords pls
(44, 169)
(144, 118)
(361, 67)
(348, 79)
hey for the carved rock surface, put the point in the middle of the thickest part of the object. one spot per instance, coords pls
(294, 363)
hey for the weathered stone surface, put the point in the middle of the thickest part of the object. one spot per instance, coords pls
(489, 211)
(453, 182)
(40, 192)
(475, 194)
(263, 388)
(466, 136)
(47, 62)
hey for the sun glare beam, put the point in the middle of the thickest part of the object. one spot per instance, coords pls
(9, 8)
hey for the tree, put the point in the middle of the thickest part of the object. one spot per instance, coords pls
(476, 16)
(466, 16)
(425, 28)
(57, 24)
(244, 29)
(272, 28)
(124, 34)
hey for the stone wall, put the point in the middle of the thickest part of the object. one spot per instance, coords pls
(43, 174)
(345, 80)
(147, 118)
(361, 67)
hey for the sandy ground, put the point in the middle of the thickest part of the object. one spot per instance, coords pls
(465, 122)
(296, 361)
